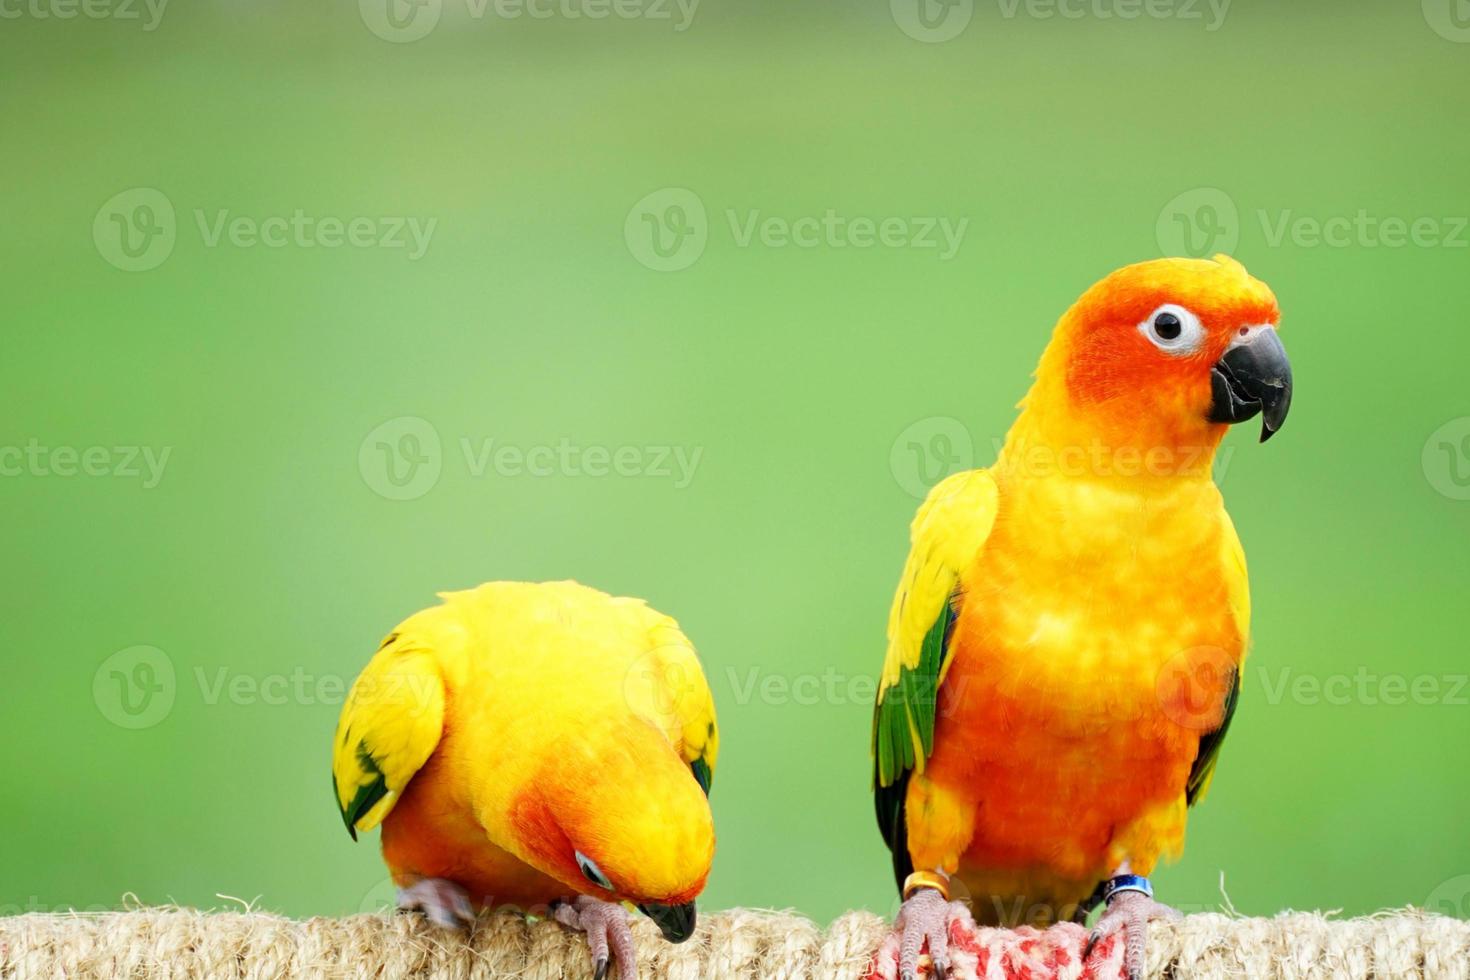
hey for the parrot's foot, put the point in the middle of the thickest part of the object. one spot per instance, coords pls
(445, 903)
(925, 916)
(1129, 912)
(606, 925)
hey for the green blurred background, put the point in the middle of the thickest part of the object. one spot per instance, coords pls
(260, 568)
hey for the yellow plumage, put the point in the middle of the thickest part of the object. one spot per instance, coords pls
(497, 735)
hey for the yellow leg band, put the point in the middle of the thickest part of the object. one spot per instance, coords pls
(925, 879)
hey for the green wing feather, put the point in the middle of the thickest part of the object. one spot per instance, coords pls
(909, 707)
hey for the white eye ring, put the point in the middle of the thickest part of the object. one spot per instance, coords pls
(1173, 329)
(592, 871)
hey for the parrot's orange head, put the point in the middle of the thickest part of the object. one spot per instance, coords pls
(1167, 353)
(617, 815)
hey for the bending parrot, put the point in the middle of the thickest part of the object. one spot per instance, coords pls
(525, 744)
(1065, 644)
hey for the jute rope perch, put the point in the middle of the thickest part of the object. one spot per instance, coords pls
(187, 944)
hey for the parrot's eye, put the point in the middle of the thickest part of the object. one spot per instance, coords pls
(592, 871)
(1174, 329)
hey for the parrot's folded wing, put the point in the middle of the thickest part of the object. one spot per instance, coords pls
(1203, 770)
(390, 725)
(668, 687)
(948, 532)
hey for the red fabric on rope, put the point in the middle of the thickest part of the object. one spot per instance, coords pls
(983, 953)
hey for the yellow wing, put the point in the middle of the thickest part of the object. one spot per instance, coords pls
(949, 529)
(389, 727)
(668, 687)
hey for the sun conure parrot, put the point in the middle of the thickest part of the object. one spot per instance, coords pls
(532, 745)
(1064, 648)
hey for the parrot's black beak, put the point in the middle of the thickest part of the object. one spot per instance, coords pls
(1253, 377)
(676, 922)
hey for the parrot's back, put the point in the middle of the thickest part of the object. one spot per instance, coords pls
(469, 698)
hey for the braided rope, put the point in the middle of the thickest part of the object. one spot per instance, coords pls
(185, 944)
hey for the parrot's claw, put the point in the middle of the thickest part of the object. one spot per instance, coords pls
(445, 903)
(606, 925)
(1129, 912)
(925, 916)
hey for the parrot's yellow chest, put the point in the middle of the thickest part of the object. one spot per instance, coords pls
(1062, 717)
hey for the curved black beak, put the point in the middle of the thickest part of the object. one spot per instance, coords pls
(676, 922)
(1253, 377)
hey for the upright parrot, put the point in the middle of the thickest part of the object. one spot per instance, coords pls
(536, 744)
(1065, 644)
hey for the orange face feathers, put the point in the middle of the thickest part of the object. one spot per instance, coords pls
(1133, 358)
(628, 824)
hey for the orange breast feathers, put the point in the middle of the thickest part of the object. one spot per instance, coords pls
(1089, 657)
